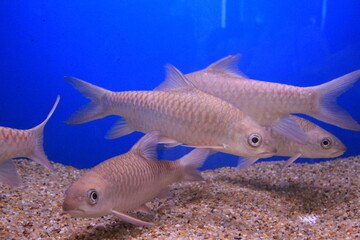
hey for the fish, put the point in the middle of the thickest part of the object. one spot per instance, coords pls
(270, 104)
(182, 114)
(128, 181)
(16, 143)
(321, 144)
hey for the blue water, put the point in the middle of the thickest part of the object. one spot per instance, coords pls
(124, 45)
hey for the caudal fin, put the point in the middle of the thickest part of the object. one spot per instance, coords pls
(39, 155)
(191, 162)
(91, 111)
(329, 111)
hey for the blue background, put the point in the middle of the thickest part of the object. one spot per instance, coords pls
(124, 45)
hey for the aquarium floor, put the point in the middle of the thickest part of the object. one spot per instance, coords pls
(314, 201)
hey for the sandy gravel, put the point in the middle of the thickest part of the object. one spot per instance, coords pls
(309, 201)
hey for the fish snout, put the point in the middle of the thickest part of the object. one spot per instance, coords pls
(67, 207)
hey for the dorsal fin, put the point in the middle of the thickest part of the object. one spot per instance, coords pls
(228, 65)
(174, 80)
(146, 146)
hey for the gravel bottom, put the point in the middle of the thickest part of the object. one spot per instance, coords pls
(308, 201)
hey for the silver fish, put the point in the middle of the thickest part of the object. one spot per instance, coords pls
(321, 144)
(271, 103)
(181, 113)
(15, 143)
(128, 181)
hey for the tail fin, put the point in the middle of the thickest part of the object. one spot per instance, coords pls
(328, 110)
(91, 111)
(191, 162)
(39, 155)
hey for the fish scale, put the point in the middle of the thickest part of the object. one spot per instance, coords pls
(201, 117)
(126, 182)
(268, 102)
(181, 115)
(15, 143)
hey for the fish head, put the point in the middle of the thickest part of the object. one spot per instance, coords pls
(89, 196)
(322, 144)
(252, 140)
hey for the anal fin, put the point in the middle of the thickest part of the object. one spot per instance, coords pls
(121, 128)
(9, 174)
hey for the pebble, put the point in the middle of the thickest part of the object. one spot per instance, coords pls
(230, 204)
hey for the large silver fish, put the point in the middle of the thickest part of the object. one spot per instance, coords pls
(15, 143)
(270, 103)
(128, 181)
(181, 113)
(321, 144)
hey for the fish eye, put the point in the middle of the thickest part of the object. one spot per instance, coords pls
(326, 143)
(254, 140)
(92, 197)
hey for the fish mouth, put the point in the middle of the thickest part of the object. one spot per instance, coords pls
(337, 153)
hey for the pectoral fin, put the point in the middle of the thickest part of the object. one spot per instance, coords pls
(289, 161)
(126, 218)
(245, 162)
(168, 142)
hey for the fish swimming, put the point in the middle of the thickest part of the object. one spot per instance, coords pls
(128, 181)
(181, 113)
(321, 144)
(271, 103)
(15, 143)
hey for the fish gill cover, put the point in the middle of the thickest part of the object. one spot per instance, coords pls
(124, 45)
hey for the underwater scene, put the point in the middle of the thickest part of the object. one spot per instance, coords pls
(224, 119)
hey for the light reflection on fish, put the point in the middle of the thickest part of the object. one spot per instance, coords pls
(271, 103)
(181, 113)
(321, 144)
(128, 181)
(16, 143)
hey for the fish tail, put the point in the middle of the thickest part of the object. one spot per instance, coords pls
(39, 155)
(91, 111)
(329, 111)
(191, 162)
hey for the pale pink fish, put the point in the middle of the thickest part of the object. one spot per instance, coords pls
(181, 113)
(321, 144)
(16, 143)
(270, 103)
(128, 181)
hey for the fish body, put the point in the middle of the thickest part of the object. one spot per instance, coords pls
(270, 103)
(126, 182)
(321, 144)
(182, 115)
(16, 143)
